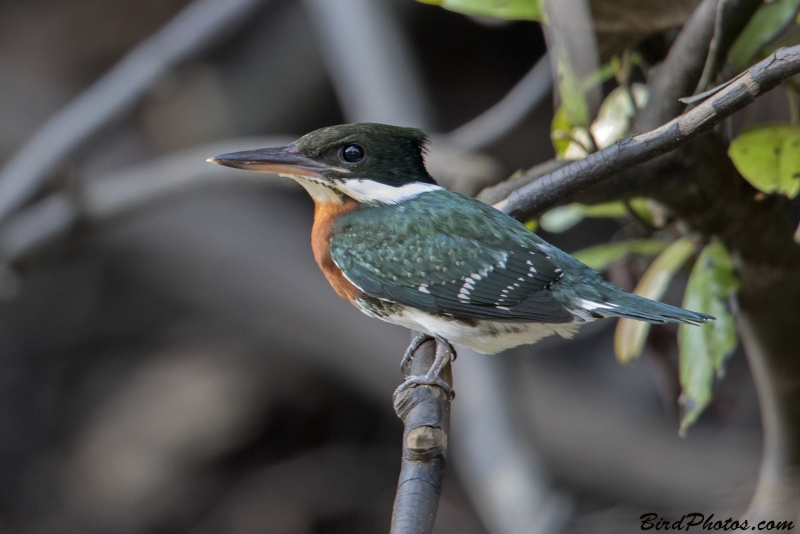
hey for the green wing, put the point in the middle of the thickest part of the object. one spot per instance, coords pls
(444, 253)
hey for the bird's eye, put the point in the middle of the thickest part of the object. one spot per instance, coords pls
(353, 153)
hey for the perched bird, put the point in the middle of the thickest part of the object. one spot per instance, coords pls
(404, 250)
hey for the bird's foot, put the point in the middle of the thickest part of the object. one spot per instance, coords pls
(445, 353)
(417, 342)
(425, 380)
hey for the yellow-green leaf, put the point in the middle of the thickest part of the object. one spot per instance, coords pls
(644, 209)
(767, 23)
(563, 218)
(768, 157)
(571, 90)
(789, 164)
(599, 257)
(630, 335)
(499, 9)
(704, 349)
(560, 129)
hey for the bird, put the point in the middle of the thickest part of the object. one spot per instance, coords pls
(403, 249)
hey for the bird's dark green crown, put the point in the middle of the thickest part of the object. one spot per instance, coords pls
(392, 155)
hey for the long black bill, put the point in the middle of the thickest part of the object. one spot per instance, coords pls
(282, 160)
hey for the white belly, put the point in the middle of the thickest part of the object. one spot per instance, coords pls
(487, 337)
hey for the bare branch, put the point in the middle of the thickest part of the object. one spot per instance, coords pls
(732, 16)
(542, 194)
(496, 193)
(678, 75)
(498, 120)
(38, 225)
(492, 453)
(425, 411)
(196, 27)
(369, 61)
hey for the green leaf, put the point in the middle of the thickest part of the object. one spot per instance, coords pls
(563, 218)
(630, 335)
(569, 131)
(704, 349)
(571, 90)
(598, 77)
(560, 129)
(644, 209)
(767, 23)
(789, 165)
(768, 157)
(600, 257)
(616, 111)
(499, 9)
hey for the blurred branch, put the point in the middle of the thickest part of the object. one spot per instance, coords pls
(732, 17)
(573, 49)
(194, 29)
(369, 61)
(678, 75)
(767, 326)
(498, 120)
(425, 411)
(122, 191)
(126, 189)
(503, 476)
(542, 194)
(38, 225)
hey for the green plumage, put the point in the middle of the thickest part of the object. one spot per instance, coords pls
(422, 252)
(441, 252)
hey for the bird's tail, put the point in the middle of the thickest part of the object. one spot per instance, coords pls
(629, 306)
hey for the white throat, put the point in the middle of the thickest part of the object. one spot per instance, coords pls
(372, 191)
(319, 190)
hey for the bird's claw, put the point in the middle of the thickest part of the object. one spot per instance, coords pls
(444, 353)
(425, 380)
(417, 342)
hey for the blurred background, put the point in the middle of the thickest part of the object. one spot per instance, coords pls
(173, 361)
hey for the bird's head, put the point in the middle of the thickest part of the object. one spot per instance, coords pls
(373, 163)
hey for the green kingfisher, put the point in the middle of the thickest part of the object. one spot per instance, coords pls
(407, 251)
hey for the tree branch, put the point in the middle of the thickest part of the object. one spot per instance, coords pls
(196, 27)
(542, 194)
(496, 193)
(425, 411)
(678, 75)
(732, 16)
(369, 61)
(499, 119)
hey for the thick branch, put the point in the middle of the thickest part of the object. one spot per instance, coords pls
(425, 411)
(544, 193)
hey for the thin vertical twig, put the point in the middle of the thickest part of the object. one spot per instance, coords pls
(425, 412)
